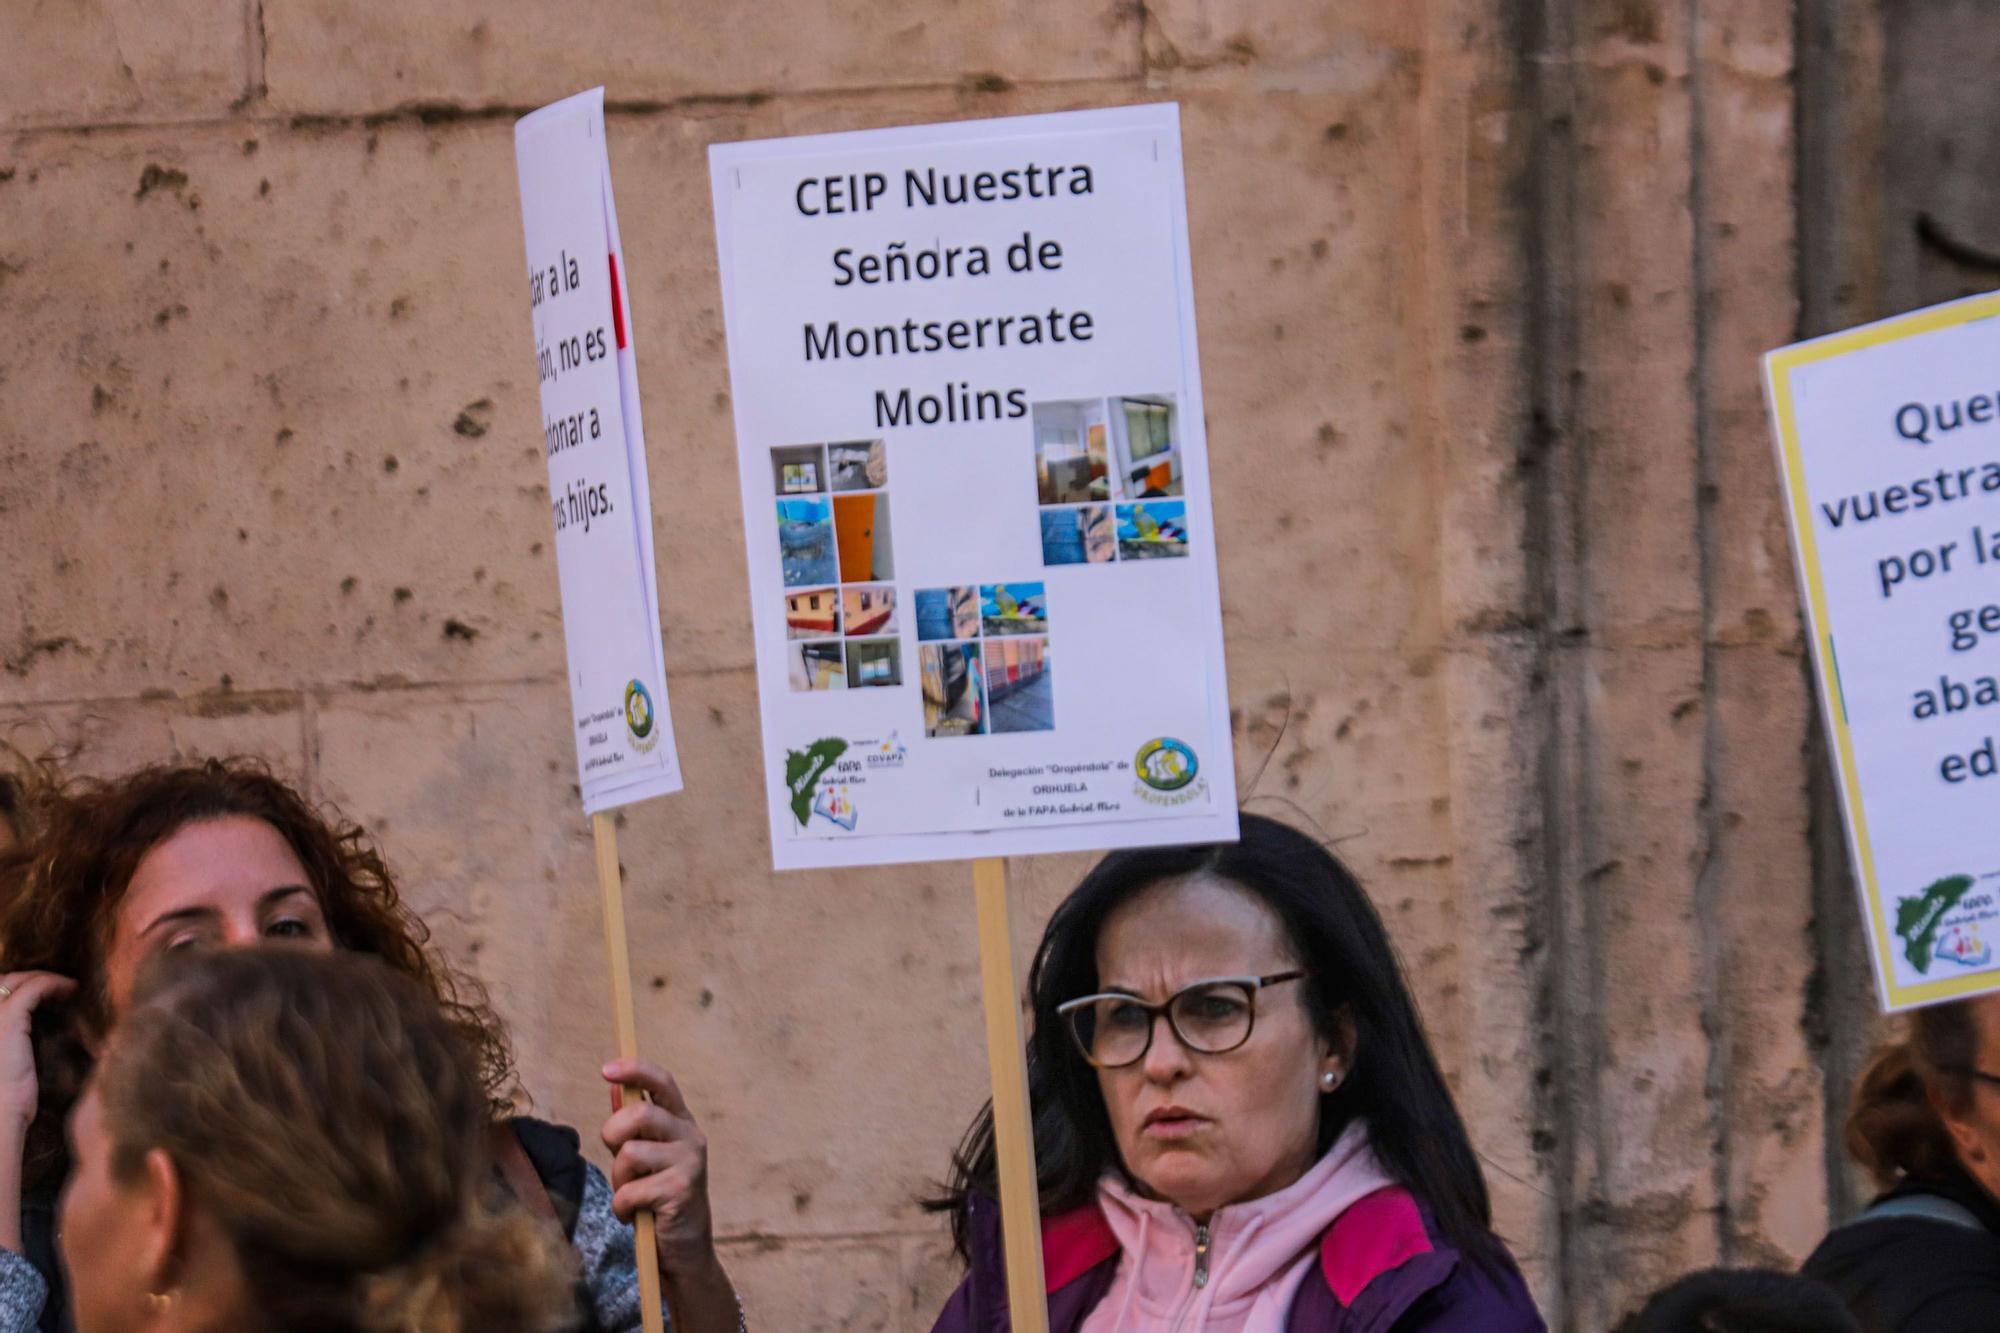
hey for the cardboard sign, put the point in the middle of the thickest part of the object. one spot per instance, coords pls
(596, 448)
(1889, 441)
(975, 489)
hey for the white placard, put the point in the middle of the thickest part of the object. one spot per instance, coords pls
(596, 448)
(1889, 441)
(975, 483)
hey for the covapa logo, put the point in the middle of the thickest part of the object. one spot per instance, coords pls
(1165, 764)
(639, 719)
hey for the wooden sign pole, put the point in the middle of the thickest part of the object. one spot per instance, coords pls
(1013, 1133)
(611, 884)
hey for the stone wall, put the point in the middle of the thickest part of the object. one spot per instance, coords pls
(1486, 280)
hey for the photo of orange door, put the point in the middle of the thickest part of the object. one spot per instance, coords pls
(854, 526)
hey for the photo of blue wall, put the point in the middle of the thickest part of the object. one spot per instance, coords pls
(805, 536)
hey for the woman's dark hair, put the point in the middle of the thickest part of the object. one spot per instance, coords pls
(1893, 1129)
(1394, 1083)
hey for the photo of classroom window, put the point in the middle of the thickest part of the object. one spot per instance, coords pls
(812, 613)
(816, 666)
(1154, 530)
(1145, 445)
(869, 610)
(1107, 449)
(858, 466)
(1078, 536)
(866, 551)
(947, 613)
(1013, 608)
(954, 689)
(1072, 451)
(874, 662)
(1020, 692)
(805, 539)
(798, 469)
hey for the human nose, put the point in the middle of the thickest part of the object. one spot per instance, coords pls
(238, 931)
(1166, 1057)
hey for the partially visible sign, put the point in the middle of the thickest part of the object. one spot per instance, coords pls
(1889, 441)
(976, 491)
(595, 444)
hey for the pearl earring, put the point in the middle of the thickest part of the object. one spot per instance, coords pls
(1329, 1080)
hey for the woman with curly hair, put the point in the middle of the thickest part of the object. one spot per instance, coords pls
(114, 872)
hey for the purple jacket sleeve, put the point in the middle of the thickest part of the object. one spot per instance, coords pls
(956, 1317)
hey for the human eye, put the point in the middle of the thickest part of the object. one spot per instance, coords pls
(1217, 1005)
(290, 928)
(181, 941)
(1124, 1015)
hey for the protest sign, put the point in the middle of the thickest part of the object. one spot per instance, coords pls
(595, 445)
(974, 464)
(601, 505)
(1889, 442)
(975, 485)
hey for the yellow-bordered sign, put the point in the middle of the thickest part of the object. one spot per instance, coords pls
(1781, 366)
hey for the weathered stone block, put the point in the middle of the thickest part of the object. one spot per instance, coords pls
(328, 441)
(1773, 1087)
(94, 61)
(116, 736)
(471, 797)
(1269, 42)
(343, 57)
(845, 1286)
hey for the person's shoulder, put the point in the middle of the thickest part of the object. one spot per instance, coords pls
(544, 1139)
(1384, 1264)
(1905, 1250)
(556, 1154)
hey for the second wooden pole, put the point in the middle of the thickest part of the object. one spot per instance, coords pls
(1013, 1130)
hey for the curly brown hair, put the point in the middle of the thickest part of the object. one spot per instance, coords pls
(329, 1119)
(1893, 1127)
(60, 888)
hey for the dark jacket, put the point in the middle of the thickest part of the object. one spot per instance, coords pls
(1918, 1274)
(1383, 1269)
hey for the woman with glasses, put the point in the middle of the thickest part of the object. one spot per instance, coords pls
(1925, 1123)
(1238, 1123)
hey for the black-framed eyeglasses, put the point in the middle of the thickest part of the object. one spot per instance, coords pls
(1210, 1016)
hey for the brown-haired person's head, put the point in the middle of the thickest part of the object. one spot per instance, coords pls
(284, 1138)
(221, 852)
(1930, 1101)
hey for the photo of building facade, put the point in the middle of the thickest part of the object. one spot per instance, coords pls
(812, 613)
(869, 609)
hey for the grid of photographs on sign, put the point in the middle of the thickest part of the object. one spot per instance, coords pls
(983, 654)
(839, 565)
(1108, 479)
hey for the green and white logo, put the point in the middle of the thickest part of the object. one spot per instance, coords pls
(803, 770)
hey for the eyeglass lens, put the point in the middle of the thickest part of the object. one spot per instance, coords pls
(1210, 1018)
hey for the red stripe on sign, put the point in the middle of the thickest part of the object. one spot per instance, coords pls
(617, 305)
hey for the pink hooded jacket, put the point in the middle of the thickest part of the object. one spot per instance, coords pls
(1239, 1272)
